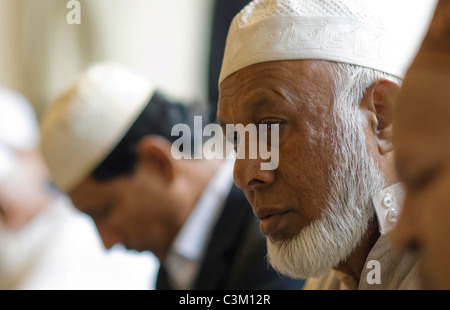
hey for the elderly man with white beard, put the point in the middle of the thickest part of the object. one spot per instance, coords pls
(325, 73)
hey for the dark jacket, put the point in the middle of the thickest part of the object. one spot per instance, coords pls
(236, 254)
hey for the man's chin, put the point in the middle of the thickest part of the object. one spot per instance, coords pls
(290, 260)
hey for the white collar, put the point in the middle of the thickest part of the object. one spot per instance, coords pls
(187, 250)
(396, 268)
(388, 204)
(193, 235)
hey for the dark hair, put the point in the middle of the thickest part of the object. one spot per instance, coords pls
(157, 118)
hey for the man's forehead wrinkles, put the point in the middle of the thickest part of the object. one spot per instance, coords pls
(264, 89)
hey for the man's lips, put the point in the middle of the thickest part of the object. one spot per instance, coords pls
(271, 220)
(262, 212)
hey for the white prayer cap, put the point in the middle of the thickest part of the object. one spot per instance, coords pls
(19, 130)
(83, 126)
(348, 31)
(18, 124)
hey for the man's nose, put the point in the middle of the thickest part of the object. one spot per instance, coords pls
(108, 236)
(249, 176)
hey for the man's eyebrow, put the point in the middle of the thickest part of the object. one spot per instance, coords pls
(221, 122)
(426, 176)
(419, 178)
(400, 166)
(253, 108)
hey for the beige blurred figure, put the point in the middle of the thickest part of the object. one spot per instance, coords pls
(23, 184)
(23, 176)
(44, 242)
(422, 134)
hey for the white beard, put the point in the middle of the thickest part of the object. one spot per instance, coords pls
(330, 239)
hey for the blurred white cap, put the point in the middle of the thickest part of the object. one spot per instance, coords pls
(19, 130)
(84, 125)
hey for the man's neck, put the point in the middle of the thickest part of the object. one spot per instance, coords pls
(355, 263)
(200, 173)
(196, 176)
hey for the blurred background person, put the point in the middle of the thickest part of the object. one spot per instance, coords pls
(44, 242)
(422, 135)
(108, 143)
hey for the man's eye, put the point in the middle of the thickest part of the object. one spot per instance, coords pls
(271, 126)
(102, 212)
(234, 139)
(424, 179)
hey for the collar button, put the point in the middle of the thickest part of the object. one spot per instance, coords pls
(392, 215)
(388, 200)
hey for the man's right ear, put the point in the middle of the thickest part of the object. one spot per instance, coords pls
(155, 152)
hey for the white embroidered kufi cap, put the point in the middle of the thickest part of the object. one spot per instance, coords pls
(83, 126)
(346, 31)
(19, 130)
